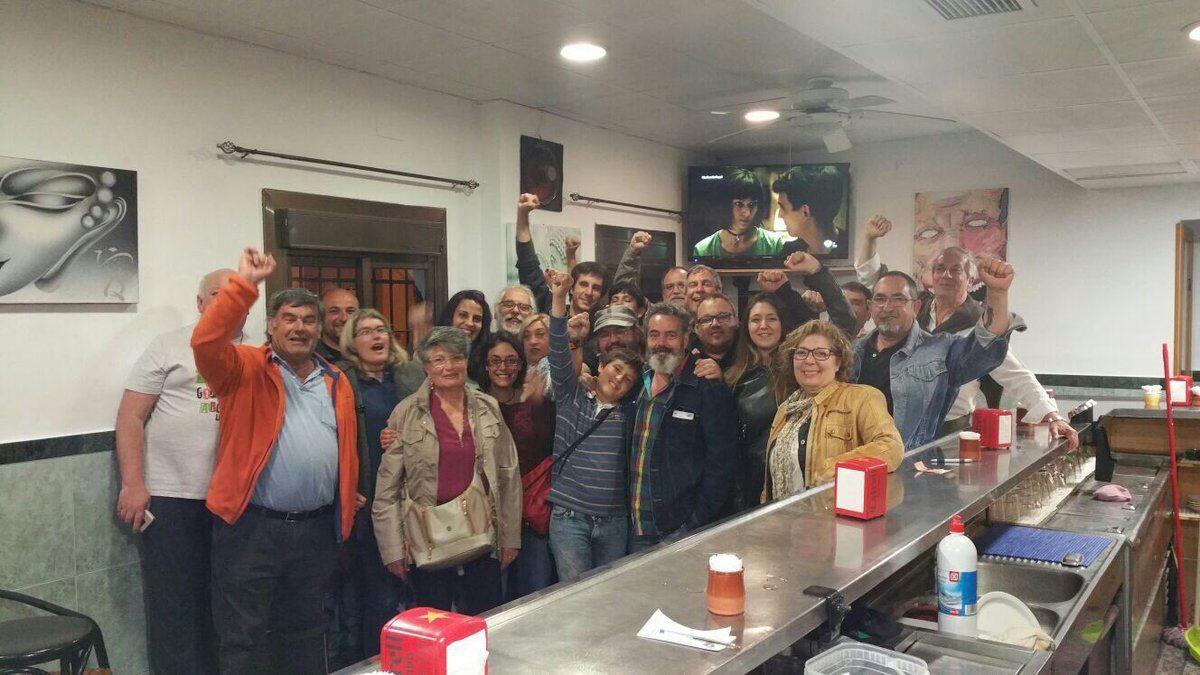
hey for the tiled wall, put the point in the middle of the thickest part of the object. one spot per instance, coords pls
(60, 541)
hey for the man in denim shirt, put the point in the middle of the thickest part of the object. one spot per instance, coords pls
(920, 373)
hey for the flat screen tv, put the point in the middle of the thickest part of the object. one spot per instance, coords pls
(753, 217)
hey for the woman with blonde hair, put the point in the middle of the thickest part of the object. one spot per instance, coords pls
(379, 371)
(822, 418)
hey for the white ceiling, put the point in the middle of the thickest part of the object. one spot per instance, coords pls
(1104, 92)
(670, 61)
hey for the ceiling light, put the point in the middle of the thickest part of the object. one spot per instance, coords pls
(582, 51)
(1193, 31)
(762, 115)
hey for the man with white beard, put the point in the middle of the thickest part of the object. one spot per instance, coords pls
(683, 441)
(514, 303)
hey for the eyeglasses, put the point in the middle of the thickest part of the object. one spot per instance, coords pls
(439, 361)
(378, 330)
(498, 361)
(820, 354)
(723, 317)
(513, 304)
(953, 270)
(892, 301)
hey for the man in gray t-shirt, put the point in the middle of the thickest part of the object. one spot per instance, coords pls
(166, 444)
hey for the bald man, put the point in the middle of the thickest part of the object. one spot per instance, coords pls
(166, 432)
(340, 304)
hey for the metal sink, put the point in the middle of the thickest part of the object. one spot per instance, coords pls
(1032, 584)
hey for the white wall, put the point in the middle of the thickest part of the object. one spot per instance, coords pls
(89, 85)
(1095, 269)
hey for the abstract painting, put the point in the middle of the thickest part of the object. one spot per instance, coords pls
(976, 220)
(548, 240)
(542, 171)
(68, 233)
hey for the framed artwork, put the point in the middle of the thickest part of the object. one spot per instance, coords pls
(660, 255)
(976, 220)
(548, 240)
(68, 233)
(542, 171)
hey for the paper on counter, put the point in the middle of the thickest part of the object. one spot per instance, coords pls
(921, 468)
(661, 628)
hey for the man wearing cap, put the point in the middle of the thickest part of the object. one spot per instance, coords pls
(615, 328)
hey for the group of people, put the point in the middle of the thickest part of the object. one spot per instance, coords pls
(632, 423)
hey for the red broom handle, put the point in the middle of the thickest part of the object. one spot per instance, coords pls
(1182, 585)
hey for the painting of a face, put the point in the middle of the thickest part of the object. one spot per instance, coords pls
(976, 220)
(68, 233)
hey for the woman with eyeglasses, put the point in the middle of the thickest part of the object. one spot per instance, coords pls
(530, 420)
(822, 418)
(381, 375)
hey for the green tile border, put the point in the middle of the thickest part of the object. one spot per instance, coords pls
(1095, 381)
(60, 446)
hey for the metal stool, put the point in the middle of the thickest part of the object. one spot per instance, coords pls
(66, 636)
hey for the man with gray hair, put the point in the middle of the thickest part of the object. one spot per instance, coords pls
(683, 440)
(166, 433)
(514, 303)
(284, 486)
(702, 281)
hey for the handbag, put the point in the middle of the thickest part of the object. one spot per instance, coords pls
(536, 483)
(453, 533)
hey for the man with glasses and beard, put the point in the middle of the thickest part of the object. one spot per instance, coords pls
(920, 373)
(683, 437)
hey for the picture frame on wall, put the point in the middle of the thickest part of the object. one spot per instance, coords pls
(542, 171)
(68, 233)
(661, 254)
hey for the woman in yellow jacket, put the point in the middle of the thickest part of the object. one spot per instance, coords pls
(822, 419)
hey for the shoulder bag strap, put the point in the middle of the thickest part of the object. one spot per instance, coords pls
(561, 461)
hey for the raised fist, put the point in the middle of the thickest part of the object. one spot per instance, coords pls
(996, 274)
(814, 300)
(802, 263)
(878, 226)
(571, 244)
(255, 266)
(772, 280)
(528, 202)
(639, 242)
(579, 326)
(559, 282)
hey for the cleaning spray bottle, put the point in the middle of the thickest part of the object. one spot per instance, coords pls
(957, 562)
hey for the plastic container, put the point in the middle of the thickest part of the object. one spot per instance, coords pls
(958, 593)
(853, 659)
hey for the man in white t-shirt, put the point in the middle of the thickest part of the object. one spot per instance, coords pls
(166, 433)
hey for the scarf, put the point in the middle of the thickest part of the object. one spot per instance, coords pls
(783, 461)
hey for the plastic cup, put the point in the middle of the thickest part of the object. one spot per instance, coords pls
(726, 594)
(968, 445)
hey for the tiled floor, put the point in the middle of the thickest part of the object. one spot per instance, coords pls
(1175, 661)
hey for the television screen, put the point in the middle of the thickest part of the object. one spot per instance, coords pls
(752, 217)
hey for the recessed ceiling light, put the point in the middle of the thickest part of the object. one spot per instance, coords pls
(582, 51)
(762, 115)
(1193, 31)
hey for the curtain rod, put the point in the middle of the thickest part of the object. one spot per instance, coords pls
(230, 148)
(576, 197)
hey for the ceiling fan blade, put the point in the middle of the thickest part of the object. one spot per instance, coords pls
(836, 140)
(738, 107)
(900, 114)
(866, 101)
(737, 133)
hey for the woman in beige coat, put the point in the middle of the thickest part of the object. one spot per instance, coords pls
(821, 418)
(446, 433)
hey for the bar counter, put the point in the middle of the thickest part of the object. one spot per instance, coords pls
(590, 626)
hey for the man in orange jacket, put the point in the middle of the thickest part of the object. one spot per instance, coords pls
(283, 488)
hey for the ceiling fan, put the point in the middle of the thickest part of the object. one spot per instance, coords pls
(820, 106)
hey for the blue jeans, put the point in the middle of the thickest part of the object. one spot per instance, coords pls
(533, 569)
(581, 542)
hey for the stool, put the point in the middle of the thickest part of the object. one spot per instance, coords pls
(66, 636)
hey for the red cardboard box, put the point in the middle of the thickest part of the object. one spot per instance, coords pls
(860, 488)
(994, 427)
(425, 641)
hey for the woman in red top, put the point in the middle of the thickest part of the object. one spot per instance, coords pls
(530, 419)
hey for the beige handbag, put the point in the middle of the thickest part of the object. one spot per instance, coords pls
(453, 533)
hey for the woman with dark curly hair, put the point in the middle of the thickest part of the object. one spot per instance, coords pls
(468, 311)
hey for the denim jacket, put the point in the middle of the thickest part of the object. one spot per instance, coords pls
(928, 370)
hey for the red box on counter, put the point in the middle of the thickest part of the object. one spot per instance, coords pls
(428, 641)
(860, 488)
(994, 426)
(1181, 390)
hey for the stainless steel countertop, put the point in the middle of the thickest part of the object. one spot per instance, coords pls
(590, 626)
(1160, 413)
(1081, 513)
